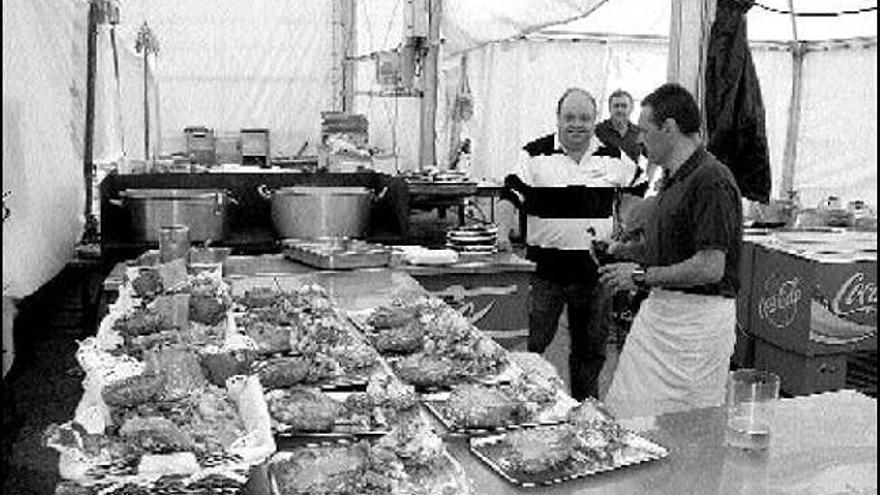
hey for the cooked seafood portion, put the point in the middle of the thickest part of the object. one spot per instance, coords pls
(425, 370)
(304, 409)
(330, 470)
(392, 317)
(148, 283)
(536, 450)
(282, 372)
(222, 365)
(401, 339)
(133, 390)
(481, 406)
(269, 337)
(543, 448)
(181, 368)
(144, 321)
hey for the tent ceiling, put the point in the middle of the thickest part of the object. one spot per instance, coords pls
(614, 17)
(468, 24)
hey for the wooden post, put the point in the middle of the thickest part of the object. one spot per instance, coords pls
(428, 107)
(343, 54)
(349, 37)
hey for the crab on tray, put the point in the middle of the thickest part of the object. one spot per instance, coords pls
(134, 430)
(476, 408)
(589, 443)
(310, 412)
(410, 460)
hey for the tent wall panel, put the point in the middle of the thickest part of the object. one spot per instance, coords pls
(837, 136)
(236, 64)
(43, 114)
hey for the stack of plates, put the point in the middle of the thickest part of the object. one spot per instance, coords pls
(473, 238)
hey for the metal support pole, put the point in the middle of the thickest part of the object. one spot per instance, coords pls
(91, 227)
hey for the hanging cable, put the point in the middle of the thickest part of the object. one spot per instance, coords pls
(817, 14)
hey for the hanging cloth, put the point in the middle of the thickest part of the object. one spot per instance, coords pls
(462, 111)
(108, 140)
(734, 107)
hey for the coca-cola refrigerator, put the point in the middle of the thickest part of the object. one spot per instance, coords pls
(814, 303)
(810, 308)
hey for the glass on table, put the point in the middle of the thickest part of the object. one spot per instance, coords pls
(173, 242)
(751, 399)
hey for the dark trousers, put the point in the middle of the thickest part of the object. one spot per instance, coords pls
(585, 325)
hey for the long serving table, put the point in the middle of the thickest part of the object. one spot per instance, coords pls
(819, 444)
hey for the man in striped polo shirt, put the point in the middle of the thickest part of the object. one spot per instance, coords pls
(559, 242)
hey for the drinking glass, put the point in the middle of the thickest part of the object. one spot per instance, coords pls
(173, 242)
(751, 399)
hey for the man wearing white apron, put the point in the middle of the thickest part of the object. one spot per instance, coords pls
(677, 354)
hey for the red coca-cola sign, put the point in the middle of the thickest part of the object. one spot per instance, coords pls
(856, 298)
(778, 300)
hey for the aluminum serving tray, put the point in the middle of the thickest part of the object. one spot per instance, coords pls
(489, 450)
(336, 253)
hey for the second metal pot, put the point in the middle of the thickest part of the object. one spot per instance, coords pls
(310, 212)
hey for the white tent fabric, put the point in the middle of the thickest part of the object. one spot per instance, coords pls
(515, 86)
(468, 24)
(615, 18)
(235, 64)
(44, 60)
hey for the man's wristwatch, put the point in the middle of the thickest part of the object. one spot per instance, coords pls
(639, 277)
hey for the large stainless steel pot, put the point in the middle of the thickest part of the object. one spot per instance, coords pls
(310, 212)
(202, 210)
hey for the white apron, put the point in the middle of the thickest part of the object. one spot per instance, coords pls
(676, 357)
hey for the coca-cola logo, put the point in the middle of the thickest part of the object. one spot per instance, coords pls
(779, 302)
(855, 296)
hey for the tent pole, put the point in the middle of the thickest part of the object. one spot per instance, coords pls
(146, 111)
(91, 226)
(789, 156)
(349, 22)
(428, 102)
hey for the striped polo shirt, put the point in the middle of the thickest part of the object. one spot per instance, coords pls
(560, 246)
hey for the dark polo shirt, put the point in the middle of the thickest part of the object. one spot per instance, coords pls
(699, 207)
(628, 142)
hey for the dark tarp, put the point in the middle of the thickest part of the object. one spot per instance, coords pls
(734, 108)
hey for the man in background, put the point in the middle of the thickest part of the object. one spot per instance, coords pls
(617, 130)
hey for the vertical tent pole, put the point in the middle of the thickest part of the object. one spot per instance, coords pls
(91, 228)
(349, 21)
(428, 105)
(146, 110)
(794, 107)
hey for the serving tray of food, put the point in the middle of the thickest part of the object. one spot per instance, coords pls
(549, 455)
(588, 444)
(479, 409)
(336, 253)
(411, 460)
(301, 412)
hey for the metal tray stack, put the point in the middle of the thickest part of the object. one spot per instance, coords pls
(336, 253)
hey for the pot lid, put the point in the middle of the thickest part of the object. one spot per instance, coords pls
(171, 193)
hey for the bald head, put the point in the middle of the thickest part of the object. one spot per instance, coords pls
(575, 91)
(576, 119)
